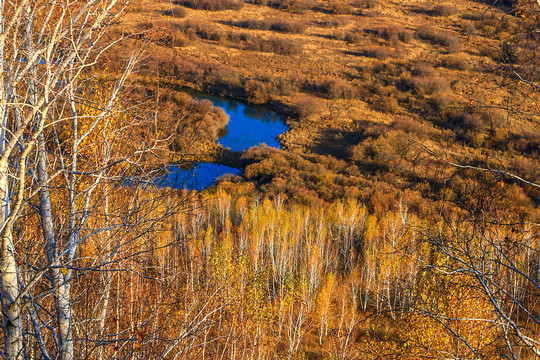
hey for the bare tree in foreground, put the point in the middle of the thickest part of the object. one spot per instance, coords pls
(488, 257)
(66, 150)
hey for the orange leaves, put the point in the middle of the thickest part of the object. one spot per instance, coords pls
(140, 335)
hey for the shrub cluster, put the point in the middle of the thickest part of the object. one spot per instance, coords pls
(394, 33)
(294, 6)
(281, 46)
(334, 22)
(468, 28)
(338, 89)
(367, 4)
(274, 45)
(279, 25)
(378, 52)
(175, 11)
(258, 91)
(456, 62)
(160, 32)
(194, 29)
(212, 5)
(340, 7)
(308, 106)
(354, 36)
(444, 9)
(430, 85)
(439, 37)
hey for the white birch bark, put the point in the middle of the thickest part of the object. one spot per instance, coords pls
(8, 267)
(11, 308)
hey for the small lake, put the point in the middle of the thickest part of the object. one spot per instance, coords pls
(249, 125)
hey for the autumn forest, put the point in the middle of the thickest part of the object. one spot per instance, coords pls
(395, 216)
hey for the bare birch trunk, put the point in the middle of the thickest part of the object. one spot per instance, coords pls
(11, 308)
(107, 276)
(9, 286)
(63, 294)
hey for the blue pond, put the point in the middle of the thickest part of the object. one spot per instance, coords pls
(249, 125)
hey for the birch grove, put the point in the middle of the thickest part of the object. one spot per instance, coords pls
(47, 49)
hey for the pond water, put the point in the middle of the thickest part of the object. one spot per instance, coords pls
(249, 125)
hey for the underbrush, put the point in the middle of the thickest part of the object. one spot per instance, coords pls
(393, 33)
(379, 52)
(243, 40)
(278, 25)
(439, 37)
(275, 45)
(175, 11)
(444, 9)
(212, 5)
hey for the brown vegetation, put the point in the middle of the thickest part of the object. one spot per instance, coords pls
(279, 25)
(358, 93)
(212, 5)
(439, 37)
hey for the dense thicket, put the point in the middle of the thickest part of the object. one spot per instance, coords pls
(243, 276)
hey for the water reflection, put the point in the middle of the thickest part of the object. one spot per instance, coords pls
(199, 177)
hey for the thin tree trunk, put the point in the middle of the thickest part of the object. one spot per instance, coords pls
(11, 308)
(64, 319)
(107, 275)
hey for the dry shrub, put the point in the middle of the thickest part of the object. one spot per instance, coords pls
(288, 26)
(350, 36)
(293, 6)
(338, 89)
(378, 52)
(172, 40)
(340, 7)
(145, 25)
(411, 126)
(395, 33)
(194, 29)
(209, 75)
(279, 25)
(456, 62)
(258, 91)
(274, 45)
(212, 5)
(468, 28)
(163, 33)
(307, 107)
(444, 9)
(528, 168)
(366, 4)
(334, 22)
(424, 69)
(439, 37)
(386, 104)
(495, 23)
(477, 120)
(175, 11)
(201, 120)
(430, 85)
(288, 86)
(528, 143)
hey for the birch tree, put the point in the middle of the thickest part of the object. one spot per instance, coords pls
(47, 51)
